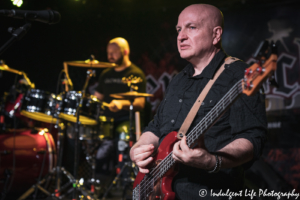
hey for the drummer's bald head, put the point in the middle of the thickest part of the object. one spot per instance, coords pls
(122, 43)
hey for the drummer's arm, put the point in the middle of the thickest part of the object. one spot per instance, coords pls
(117, 105)
(99, 95)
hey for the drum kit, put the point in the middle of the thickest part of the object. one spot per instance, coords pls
(34, 156)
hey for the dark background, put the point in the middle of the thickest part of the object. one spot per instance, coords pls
(149, 26)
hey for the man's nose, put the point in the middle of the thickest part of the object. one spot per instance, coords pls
(182, 36)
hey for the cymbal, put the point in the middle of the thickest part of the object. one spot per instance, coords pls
(130, 95)
(90, 64)
(6, 68)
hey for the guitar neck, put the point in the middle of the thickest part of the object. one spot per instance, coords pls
(215, 113)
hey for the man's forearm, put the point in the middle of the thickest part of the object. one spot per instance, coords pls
(236, 153)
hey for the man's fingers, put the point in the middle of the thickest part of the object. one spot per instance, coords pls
(142, 156)
(144, 163)
(176, 154)
(144, 171)
(183, 145)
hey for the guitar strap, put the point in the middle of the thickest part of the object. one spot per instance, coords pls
(190, 117)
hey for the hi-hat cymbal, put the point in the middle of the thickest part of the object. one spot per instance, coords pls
(130, 95)
(6, 68)
(90, 64)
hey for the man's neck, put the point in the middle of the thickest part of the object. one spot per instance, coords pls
(124, 65)
(200, 63)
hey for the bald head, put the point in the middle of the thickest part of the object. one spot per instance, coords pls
(208, 14)
(122, 43)
(199, 27)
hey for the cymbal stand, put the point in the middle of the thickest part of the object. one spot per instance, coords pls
(76, 185)
(127, 164)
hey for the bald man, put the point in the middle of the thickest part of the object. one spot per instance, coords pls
(217, 163)
(110, 82)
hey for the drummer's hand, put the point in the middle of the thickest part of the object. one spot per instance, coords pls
(141, 157)
(115, 106)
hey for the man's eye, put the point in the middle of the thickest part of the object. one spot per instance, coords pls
(178, 30)
(192, 27)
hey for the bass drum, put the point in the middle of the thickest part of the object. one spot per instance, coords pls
(31, 148)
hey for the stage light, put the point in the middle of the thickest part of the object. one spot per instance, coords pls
(17, 2)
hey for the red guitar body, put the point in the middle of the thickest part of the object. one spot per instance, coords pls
(163, 187)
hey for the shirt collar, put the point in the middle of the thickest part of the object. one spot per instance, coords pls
(210, 69)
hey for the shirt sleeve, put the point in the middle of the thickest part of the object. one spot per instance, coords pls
(248, 120)
(154, 124)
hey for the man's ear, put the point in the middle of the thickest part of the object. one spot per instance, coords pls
(126, 52)
(217, 33)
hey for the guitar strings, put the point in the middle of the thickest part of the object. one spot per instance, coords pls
(156, 172)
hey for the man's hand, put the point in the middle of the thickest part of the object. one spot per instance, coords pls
(141, 157)
(198, 157)
(115, 105)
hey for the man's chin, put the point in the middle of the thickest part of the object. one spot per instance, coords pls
(185, 55)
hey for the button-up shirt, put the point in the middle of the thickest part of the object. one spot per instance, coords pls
(246, 118)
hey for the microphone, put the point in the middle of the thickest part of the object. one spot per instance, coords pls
(44, 16)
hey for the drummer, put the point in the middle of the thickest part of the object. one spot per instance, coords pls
(110, 82)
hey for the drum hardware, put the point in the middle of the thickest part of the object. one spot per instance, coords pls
(131, 95)
(76, 186)
(4, 67)
(90, 63)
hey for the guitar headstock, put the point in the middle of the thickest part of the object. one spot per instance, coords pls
(257, 73)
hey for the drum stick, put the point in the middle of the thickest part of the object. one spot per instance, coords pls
(137, 125)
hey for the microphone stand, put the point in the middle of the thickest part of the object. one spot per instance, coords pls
(16, 35)
(90, 73)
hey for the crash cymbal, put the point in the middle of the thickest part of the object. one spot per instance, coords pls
(90, 64)
(6, 68)
(130, 95)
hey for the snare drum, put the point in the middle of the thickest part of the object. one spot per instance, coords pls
(93, 132)
(30, 150)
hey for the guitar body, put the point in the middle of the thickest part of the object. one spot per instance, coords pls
(162, 189)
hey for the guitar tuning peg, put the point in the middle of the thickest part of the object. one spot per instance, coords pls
(248, 71)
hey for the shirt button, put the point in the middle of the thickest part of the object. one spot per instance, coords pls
(180, 100)
(202, 103)
(172, 121)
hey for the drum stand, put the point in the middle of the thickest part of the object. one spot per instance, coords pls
(127, 164)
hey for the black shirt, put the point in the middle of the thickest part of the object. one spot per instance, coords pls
(110, 82)
(246, 118)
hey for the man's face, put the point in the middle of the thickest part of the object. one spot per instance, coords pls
(194, 38)
(114, 54)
